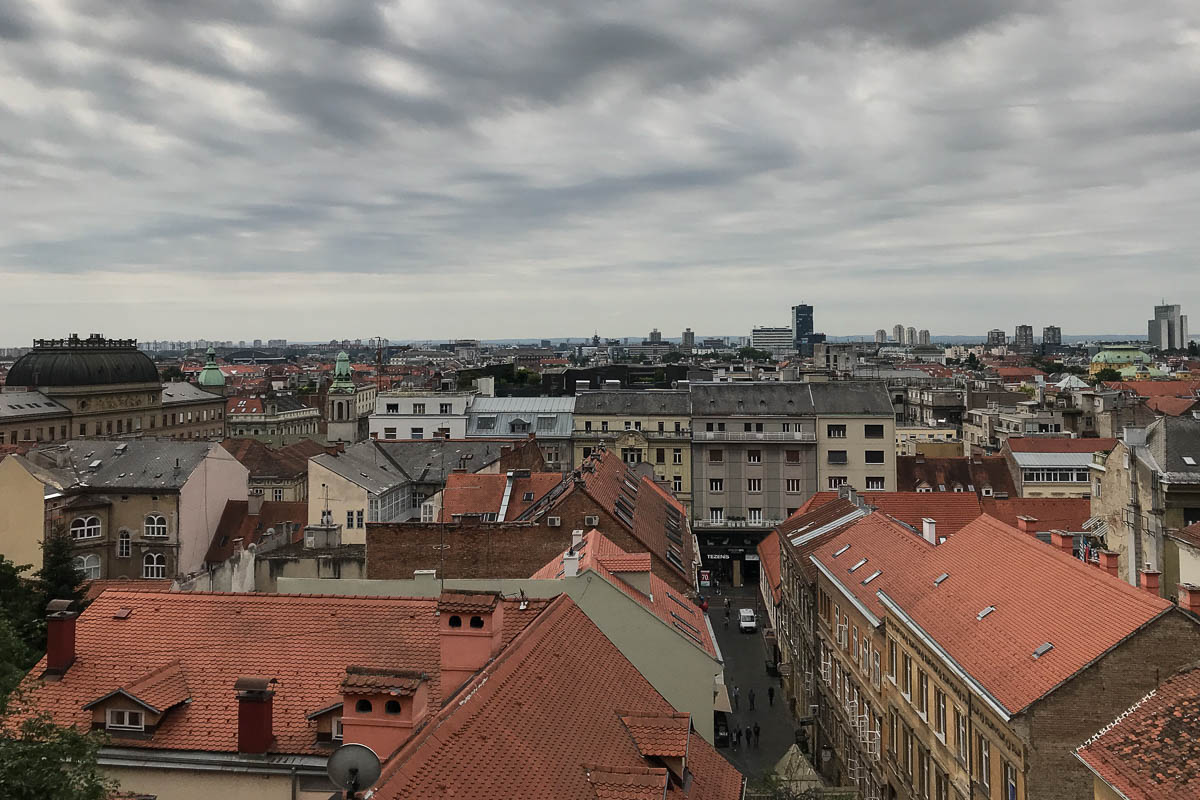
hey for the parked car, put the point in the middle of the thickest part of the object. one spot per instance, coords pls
(747, 621)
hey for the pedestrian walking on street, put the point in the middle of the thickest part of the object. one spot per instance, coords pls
(750, 697)
(770, 695)
(756, 733)
(737, 737)
(726, 606)
(735, 698)
(749, 733)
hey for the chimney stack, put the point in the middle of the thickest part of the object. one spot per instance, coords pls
(254, 502)
(1189, 597)
(1109, 562)
(1150, 580)
(60, 636)
(929, 530)
(571, 564)
(1063, 541)
(255, 698)
(576, 538)
(1027, 524)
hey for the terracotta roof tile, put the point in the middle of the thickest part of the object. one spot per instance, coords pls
(304, 642)
(160, 689)
(1028, 583)
(479, 493)
(1043, 444)
(875, 543)
(238, 523)
(95, 587)
(661, 735)
(951, 510)
(376, 680)
(975, 473)
(614, 783)
(1152, 751)
(1051, 513)
(1158, 388)
(768, 560)
(1172, 406)
(522, 725)
(464, 602)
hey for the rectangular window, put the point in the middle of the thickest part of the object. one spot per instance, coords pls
(389, 433)
(277, 495)
(677, 483)
(960, 735)
(720, 427)
(336, 733)
(838, 457)
(747, 427)
(716, 515)
(445, 408)
(1010, 782)
(891, 660)
(660, 455)
(922, 693)
(893, 732)
(708, 426)
(906, 678)
(628, 425)
(358, 518)
(941, 786)
(754, 456)
(662, 428)
(716, 456)
(677, 456)
(908, 753)
(716, 484)
(792, 485)
(393, 408)
(939, 713)
(922, 772)
(349, 519)
(836, 481)
(418, 408)
(604, 426)
(125, 720)
(754, 516)
(836, 431)
(875, 679)
(754, 485)
(417, 433)
(874, 456)
(875, 484)
(873, 431)
(791, 456)
(985, 763)
(587, 426)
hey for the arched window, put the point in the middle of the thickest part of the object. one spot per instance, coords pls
(456, 621)
(154, 565)
(156, 525)
(88, 566)
(85, 528)
(123, 547)
(363, 706)
(477, 622)
(392, 707)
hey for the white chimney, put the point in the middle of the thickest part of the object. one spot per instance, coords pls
(571, 564)
(576, 538)
(929, 530)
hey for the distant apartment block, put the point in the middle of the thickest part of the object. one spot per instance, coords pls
(1168, 330)
(777, 341)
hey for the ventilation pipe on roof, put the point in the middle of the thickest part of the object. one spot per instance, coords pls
(60, 637)
(255, 699)
(570, 563)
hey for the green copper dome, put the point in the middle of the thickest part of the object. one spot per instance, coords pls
(342, 375)
(1121, 354)
(211, 375)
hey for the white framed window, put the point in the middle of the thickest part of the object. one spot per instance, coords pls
(836, 480)
(358, 518)
(154, 565)
(716, 484)
(677, 456)
(677, 483)
(123, 544)
(716, 515)
(418, 408)
(156, 525)
(336, 733)
(123, 719)
(389, 433)
(277, 495)
(792, 486)
(417, 433)
(875, 484)
(754, 456)
(88, 566)
(754, 485)
(85, 528)
(754, 516)
(445, 408)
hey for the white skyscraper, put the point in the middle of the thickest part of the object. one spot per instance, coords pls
(1168, 330)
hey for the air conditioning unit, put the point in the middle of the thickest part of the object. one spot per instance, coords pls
(593, 521)
(554, 522)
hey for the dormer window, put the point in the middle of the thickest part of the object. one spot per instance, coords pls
(122, 719)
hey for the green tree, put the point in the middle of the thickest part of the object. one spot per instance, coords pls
(172, 373)
(754, 354)
(19, 602)
(39, 759)
(1106, 374)
(58, 579)
(672, 357)
(972, 361)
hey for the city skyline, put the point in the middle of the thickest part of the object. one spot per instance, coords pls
(593, 163)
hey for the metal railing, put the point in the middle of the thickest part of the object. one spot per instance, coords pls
(740, 436)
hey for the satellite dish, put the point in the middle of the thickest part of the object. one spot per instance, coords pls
(353, 767)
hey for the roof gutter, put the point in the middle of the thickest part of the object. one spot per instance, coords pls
(862, 609)
(955, 667)
(1092, 770)
(200, 761)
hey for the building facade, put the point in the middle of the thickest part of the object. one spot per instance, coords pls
(420, 415)
(776, 341)
(1169, 328)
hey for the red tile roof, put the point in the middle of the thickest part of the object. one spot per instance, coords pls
(1017, 372)
(888, 547)
(768, 560)
(1158, 388)
(95, 587)
(1029, 584)
(478, 493)
(600, 554)
(529, 727)
(1051, 513)
(1152, 751)
(1172, 406)
(243, 405)
(160, 689)
(646, 783)
(266, 462)
(368, 680)
(661, 735)
(951, 510)
(217, 638)
(820, 519)
(979, 472)
(238, 523)
(1190, 534)
(1043, 444)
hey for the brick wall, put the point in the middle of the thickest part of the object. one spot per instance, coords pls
(525, 454)
(473, 549)
(1094, 698)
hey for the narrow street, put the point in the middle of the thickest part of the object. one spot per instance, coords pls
(745, 657)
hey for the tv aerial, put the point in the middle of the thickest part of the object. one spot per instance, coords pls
(353, 767)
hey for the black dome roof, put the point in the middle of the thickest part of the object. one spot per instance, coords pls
(94, 361)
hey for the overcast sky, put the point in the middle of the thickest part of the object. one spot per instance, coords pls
(496, 168)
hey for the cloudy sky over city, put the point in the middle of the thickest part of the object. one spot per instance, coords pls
(491, 168)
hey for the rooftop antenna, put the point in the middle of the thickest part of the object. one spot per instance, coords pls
(353, 767)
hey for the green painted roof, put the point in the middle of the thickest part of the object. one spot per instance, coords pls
(211, 375)
(1127, 354)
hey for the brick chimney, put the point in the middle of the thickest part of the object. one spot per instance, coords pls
(382, 707)
(470, 631)
(1063, 541)
(1109, 562)
(1189, 597)
(1027, 524)
(60, 637)
(254, 699)
(1150, 580)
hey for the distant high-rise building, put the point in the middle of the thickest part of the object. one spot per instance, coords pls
(803, 335)
(1023, 340)
(774, 340)
(923, 336)
(1051, 336)
(910, 335)
(687, 340)
(258, 342)
(881, 336)
(898, 334)
(655, 336)
(1168, 330)
(996, 338)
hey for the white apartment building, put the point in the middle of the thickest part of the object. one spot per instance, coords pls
(420, 415)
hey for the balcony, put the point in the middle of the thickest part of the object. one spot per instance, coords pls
(650, 435)
(736, 523)
(739, 436)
